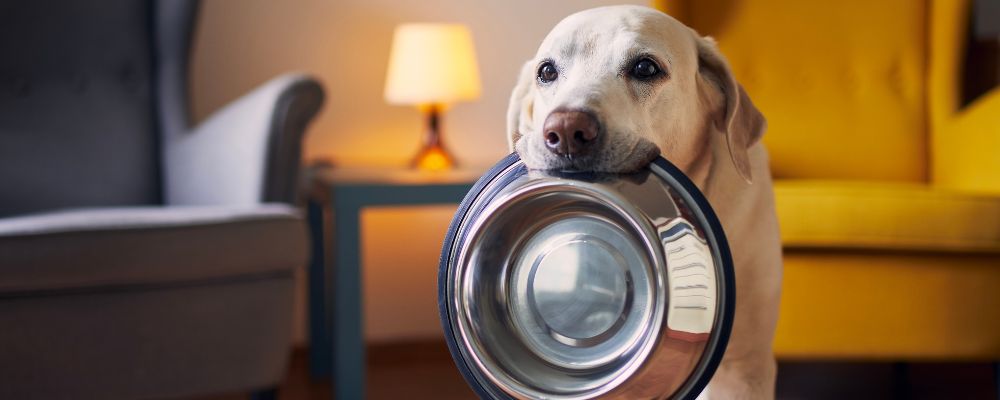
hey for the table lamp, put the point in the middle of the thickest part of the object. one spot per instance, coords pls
(432, 66)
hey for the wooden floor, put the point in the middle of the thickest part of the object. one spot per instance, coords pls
(421, 370)
(424, 371)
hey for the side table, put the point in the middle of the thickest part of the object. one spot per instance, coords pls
(336, 198)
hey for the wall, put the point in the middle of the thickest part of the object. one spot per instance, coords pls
(345, 44)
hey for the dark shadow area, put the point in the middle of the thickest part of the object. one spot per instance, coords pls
(885, 380)
(981, 70)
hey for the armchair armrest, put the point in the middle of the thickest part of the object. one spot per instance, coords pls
(246, 153)
(966, 149)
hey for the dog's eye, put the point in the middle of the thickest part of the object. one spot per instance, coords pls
(547, 72)
(645, 69)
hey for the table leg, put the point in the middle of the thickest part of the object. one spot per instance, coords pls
(348, 350)
(319, 316)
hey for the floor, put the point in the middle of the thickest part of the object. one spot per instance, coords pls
(424, 371)
(421, 370)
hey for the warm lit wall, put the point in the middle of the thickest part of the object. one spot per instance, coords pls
(345, 43)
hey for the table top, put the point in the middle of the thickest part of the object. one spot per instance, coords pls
(367, 186)
(391, 176)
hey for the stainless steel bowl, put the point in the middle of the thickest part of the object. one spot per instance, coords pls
(578, 286)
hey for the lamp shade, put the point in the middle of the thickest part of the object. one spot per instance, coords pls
(432, 64)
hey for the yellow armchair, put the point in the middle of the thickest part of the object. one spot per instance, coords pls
(888, 193)
(967, 147)
(966, 142)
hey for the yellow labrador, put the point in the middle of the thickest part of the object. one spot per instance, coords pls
(609, 89)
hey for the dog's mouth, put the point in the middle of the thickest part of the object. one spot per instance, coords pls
(638, 158)
(575, 163)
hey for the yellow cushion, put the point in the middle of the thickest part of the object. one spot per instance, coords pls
(867, 305)
(842, 83)
(883, 215)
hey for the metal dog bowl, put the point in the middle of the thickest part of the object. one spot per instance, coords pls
(583, 286)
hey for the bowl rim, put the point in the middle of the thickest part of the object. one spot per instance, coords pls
(726, 312)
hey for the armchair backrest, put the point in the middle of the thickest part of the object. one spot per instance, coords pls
(844, 85)
(86, 88)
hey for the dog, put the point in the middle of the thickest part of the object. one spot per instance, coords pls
(610, 89)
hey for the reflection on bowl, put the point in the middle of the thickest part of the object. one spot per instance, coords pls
(570, 286)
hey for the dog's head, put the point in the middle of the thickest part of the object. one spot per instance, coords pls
(613, 87)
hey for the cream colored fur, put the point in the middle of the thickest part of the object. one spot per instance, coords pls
(700, 119)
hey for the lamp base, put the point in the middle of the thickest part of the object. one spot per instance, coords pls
(433, 158)
(432, 155)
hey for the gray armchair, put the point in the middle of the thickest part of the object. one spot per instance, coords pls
(140, 257)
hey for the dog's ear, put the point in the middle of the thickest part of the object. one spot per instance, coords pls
(742, 123)
(521, 107)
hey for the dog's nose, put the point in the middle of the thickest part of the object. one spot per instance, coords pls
(570, 133)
